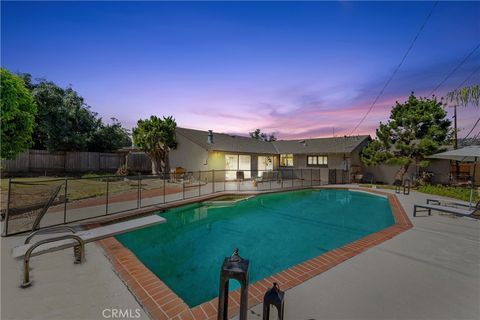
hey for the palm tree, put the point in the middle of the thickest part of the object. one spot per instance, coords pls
(466, 95)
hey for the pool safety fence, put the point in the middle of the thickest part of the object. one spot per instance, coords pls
(79, 199)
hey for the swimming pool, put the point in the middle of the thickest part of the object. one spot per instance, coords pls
(274, 231)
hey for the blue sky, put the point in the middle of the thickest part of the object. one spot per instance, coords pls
(297, 69)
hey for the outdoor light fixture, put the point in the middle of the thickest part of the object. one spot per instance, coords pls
(234, 267)
(275, 297)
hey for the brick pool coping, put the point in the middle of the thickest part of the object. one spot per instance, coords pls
(160, 302)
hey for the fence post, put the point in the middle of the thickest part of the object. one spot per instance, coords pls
(65, 201)
(311, 177)
(281, 180)
(213, 180)
(183, 187)
(301, 176)
(199, 186)
(106, 204)
(291, 176)
(8, 205)
(139, 191)
(164, 189)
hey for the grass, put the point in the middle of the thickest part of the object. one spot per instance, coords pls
(451, 192)
(459, 193)
(92, 185)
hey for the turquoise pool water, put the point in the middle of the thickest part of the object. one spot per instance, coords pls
(274, 231)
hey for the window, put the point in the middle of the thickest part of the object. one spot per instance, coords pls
(286, 160)
(317, 160)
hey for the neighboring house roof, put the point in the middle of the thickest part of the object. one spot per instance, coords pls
(233, 143)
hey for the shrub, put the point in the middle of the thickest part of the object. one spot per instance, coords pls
(452, 192)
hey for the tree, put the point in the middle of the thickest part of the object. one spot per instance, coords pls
(109, 137)
(17, 115)
(466, 95)
(156, 137)
(66, 123)
(259, 135)
(416, 129)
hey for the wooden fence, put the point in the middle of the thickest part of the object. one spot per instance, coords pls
(45, 161)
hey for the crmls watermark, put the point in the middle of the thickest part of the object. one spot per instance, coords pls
(114, 313)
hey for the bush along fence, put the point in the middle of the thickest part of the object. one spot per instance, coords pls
(77, 199)
(58, 162)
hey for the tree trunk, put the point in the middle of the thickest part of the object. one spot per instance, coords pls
(400, 173)
(156, 164)
(166, 163)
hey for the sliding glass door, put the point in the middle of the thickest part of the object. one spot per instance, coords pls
(235, 163)
(265, 163)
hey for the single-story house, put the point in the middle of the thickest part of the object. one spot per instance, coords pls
(229, 154)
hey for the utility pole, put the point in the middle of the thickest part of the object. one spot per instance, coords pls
(455, 143)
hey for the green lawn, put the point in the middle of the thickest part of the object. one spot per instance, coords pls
(459, 193)
(94, 186)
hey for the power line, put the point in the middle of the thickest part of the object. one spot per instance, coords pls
(455, 69)
(471, 130)
(468, 78)
(396, 69)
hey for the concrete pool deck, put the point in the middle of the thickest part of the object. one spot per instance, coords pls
(431, 271)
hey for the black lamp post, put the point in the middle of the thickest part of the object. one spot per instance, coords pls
(234, 267)
(274, 296)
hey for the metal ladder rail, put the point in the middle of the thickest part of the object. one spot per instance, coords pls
(78, 250)
(49, 230)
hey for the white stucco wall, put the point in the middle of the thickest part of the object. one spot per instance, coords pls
(188, 155)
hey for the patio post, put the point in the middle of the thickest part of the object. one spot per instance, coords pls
(213, 181)
(106, 200)
(311, 177)
(199, 186)
(301, 176)
(65, 201)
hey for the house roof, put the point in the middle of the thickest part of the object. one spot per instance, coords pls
(227, 142)
(233, 143)
(320, 145)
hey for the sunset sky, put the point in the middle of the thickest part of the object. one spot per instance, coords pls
(300, 70)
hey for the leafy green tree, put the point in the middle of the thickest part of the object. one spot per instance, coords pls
(416, 129)
(259, 135)
(17, 115)
(156, 137)
(466, 95)
(109, 137)
(64, 121)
